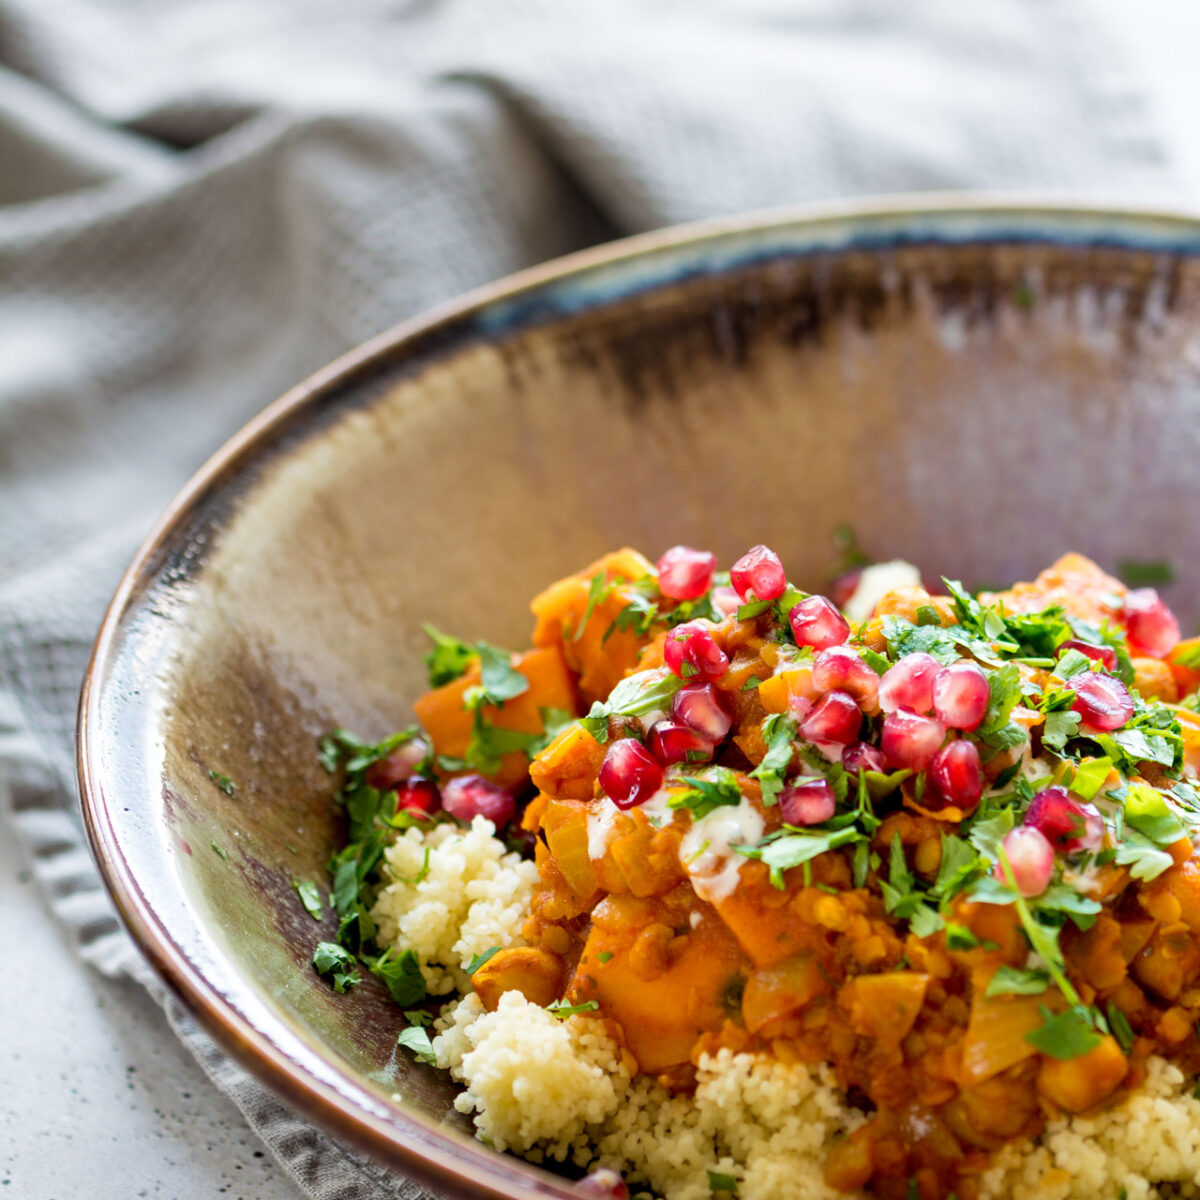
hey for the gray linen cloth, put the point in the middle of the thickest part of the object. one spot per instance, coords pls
(203, 200)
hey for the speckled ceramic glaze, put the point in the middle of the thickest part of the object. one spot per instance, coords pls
(973, 387)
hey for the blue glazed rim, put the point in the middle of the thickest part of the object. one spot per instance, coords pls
(559, 289)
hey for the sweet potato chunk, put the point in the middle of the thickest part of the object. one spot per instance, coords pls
(1077, 1084)
(1075, 582)
(449, 724)
(568, 767)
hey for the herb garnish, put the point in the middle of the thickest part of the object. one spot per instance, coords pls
(562, 1010)
(223, 782)
(336, 965)
(477, 960)
(310, 897)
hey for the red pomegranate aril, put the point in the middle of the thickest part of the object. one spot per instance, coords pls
(673, 742)
(807, 803)
(602, 1184)
(1031, 858)
(398, 765)
(1101, 654)
(726, 601)
(909, 683)
(841, 668)
(816, 623)
(419, 795)
(909, 741)
(862, 756)
(1067, 824)
(1103, 702)
(699, 707)
(836, 718)
(758, 575)
(955, 778)
(961, 695)
(684, 573)
(1149, 624)
(630, 774)
(691, 653)
(468, 796)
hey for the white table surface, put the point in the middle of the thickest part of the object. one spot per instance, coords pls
(97, 1099)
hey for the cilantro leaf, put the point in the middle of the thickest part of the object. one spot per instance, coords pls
(1143, 858)
(501, 680)
(1069, 1034)
(310, 897)
(1060, 728)
(1147, 811)
(718, 1182)
(223, 782)
(336, 965)
(416, 1039)
(1118, 1024)
(401, 972)
(562, 1010)
(1072, 663)
(599, 590)
(792, 849)
(711, 789)
(634, 696)
(1004, 688)
(477, 960)
(1017, 981)
(903, 637)
(1090, 776)
(778, 731)
(448, 659)
(959, 863)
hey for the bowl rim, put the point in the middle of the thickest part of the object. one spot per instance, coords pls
(245, 1042)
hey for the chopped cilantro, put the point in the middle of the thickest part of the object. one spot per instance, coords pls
(1068, 1034)
(1060, 728)
(1072, 663)
(902, 899)
(448, 659)
(1017, 981)
(1004, 687)
(778, 730)
(634, 696)
(477, 960)
(1143, 858)
(1090, 776)
(223, 782)
(336, 965)
(310, 897)
(562, 1010)
(717, 1182)
(714, 788)
(1118, 1024)
(501, 680)
(1189, 657)
(959, 937)
(416, 1038)
(599, 590)
(878, 663)
(220, 853)
(1146, 810)
(401, 972)
(787, 849)
(959, 863)
(605, 956)
(418, 1016)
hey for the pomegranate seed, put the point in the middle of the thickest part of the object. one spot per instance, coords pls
(399, 765)
(759, 575)
(1102, 654)
(602, 1184)
(468, 796)
(684, 573)
(909, 683)
(799, 707)
(1067, 823)
(961, 696)
(673, 742)
(836, 718)
(910, 741)
(841, 668)
(1102, 701)
(726, 601)
(862, 756)
(699, 707)
(955, 778)
(815, 622)
(807, 803)
(844, 586)
(1150, 625)
(629, 774)
(1032, 860)
(691, 653)
(419, 796)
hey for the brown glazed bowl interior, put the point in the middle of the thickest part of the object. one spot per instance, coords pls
(973, 387)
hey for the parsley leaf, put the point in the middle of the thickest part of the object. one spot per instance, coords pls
(1146, 810)
(780, 852)
(634, 696)
(1090, 776)
(336, 965)
(310, 897)
(1004, 687)
(1060, 728)
(959, 863)
(903, 637)
(1143, 858)
(1069, 1034)
(416, 1039)
(599, 590)
(448, 659)
(718, 1182)
(501, 681)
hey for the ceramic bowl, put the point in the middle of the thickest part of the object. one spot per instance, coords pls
(975, 387)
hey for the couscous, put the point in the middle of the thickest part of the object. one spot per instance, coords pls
(727, 887)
